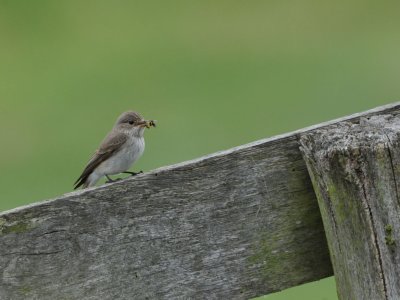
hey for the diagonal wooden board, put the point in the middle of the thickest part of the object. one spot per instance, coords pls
(235, 224)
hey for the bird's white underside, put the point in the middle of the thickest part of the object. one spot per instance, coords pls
(121, 161)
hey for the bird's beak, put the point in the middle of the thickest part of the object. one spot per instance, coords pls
(143, 123)
(146, 123)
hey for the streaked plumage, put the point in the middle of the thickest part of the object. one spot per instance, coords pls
(118, 151)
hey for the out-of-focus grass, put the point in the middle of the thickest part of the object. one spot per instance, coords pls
(319, 290)
(215, 74)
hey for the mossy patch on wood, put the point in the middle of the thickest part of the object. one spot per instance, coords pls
(14, 227)
(389, 240)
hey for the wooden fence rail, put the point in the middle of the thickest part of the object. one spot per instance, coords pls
(232, 225)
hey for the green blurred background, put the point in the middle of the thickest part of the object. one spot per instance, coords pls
(215, 74)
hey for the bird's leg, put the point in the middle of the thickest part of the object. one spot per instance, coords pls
(133, 173)
(111, 180)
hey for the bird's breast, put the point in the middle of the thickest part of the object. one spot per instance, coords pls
(122, 160)
(134, 149)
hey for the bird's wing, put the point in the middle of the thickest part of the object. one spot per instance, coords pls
(110, 145)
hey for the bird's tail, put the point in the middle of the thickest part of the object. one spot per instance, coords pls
(81, 181)
(87, 180)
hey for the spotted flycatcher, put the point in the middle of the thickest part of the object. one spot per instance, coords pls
(118, 151)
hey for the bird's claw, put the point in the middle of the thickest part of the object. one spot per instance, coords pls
(134, 173)
(113, 180)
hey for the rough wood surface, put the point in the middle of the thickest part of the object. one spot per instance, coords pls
(235, 224)
(355, 170)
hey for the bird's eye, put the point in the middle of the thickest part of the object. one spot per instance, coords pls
(131, 122)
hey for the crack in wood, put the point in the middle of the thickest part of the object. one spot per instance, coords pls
(375, 240)
(392, 167)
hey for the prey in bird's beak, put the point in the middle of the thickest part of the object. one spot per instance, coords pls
(151, 123)
(147, 123)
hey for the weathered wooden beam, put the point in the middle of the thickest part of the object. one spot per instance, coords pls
(355, 170)
(235, 224)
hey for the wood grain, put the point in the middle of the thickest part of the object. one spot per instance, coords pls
(355, 171)
(235, 224)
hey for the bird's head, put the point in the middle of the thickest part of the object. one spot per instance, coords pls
(133, 122)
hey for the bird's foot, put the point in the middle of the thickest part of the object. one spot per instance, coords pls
(109, 180)
(133, 173)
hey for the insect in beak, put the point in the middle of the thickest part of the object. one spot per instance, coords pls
(149, 123)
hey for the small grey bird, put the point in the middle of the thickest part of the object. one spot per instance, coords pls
(118, 151)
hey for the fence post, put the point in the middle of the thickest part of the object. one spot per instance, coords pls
(355, 171)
